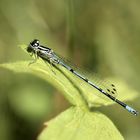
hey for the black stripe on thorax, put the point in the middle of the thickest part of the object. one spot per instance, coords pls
(43, 48)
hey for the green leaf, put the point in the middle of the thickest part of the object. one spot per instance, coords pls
(73, 88)
(76, 124)
(52, 75)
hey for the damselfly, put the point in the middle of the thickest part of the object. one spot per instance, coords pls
(47, 54)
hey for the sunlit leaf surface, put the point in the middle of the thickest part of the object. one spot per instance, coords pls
(76, 124)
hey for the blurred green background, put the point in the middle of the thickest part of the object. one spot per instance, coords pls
(101, 36)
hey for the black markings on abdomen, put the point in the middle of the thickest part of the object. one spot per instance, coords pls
(72, 70)
(86, 80)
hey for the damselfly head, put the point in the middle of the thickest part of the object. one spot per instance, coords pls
(33, 45)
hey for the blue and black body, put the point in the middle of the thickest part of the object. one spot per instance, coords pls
(47, 54)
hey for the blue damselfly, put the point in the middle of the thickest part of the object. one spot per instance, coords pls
(47, 54)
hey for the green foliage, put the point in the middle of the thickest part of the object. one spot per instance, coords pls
(77, 122)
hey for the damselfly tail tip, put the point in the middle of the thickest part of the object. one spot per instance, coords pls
(131, 110)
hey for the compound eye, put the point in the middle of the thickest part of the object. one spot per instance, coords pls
(35, 43)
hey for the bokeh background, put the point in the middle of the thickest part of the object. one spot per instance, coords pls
(101, 36)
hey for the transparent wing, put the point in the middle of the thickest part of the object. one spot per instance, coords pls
(94, 78)
(106, 86)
